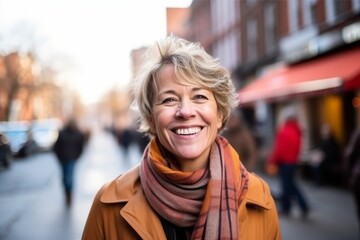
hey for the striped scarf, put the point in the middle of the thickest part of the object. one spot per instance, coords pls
(206, 199)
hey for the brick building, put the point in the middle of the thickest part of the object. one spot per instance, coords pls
(293, 51)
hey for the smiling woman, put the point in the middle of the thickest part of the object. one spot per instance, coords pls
(186, 119)
(190, 183)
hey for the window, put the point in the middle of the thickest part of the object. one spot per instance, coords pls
(293, 15)
(252, 38)
(270, 27)
(309, 13)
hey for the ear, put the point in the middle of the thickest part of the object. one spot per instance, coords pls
(219, 120)
(152, 126)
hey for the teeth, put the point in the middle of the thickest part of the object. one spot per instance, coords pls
(187, 131)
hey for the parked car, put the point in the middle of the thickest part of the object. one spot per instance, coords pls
(28, 137)
(16, 133)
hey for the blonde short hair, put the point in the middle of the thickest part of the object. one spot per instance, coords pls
(192, 63)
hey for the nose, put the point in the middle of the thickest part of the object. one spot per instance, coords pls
(185, 110)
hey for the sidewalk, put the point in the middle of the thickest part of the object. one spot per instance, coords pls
(332, 215)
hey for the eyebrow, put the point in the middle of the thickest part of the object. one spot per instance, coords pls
(196, 89)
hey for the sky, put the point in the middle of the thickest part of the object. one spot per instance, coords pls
(88, 42)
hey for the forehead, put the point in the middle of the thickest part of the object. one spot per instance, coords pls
(169, 75)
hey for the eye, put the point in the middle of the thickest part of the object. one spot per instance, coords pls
(169, 101)
(200, 98)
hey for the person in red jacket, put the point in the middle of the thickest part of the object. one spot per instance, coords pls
(285, 155)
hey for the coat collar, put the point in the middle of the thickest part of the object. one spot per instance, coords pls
(257, 194)
(127, 189)
(122, 188)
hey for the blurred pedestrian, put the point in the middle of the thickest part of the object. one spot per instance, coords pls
(352, 159)
(141, 140)
(190, 183)
(241, 139)
(68, 148)
(125, 139)
(326, 159)
(285, 156)
(6, 154)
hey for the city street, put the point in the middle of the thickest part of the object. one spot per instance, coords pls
(32, 204)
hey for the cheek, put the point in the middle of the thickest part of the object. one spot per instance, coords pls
(158, 120)
(213, 116)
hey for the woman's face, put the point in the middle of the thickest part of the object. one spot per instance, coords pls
(185, 119)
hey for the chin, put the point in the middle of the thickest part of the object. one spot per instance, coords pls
(187, 155)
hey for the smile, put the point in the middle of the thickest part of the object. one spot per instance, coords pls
(187, 131)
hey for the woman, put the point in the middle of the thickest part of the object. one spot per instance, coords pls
(190, 183)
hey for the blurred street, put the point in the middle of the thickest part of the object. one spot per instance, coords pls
(32, 204)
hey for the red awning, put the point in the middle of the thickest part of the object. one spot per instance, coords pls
(340, 71)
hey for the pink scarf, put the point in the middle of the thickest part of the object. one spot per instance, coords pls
(207, 199)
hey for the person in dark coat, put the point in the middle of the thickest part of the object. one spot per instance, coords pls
(5, 151)
(329, 149)
(125, 139)
(68, 148)
(352, 158)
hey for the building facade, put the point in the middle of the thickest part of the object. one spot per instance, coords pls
(28, 92)
(302, 52)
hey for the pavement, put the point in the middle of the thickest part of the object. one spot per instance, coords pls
(332, 214)
(32, 204)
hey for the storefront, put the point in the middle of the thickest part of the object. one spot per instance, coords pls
(330, 73)
(324, 90)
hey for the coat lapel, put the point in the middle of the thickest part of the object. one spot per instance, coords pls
(136, 211)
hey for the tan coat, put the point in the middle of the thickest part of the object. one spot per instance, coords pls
(121, 211)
